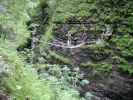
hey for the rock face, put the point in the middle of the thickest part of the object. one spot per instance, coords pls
(3, 67)
(4, 97)
(3, 71)
(115, 86)
(109, 84)
(115, 51)
(104, 57)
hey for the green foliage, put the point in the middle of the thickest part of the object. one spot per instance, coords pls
(124, 45)
(60, 57)
(101, 67)
(47, 36)
(23, 82)
(13, 20)
(68, 9)
(117, 13)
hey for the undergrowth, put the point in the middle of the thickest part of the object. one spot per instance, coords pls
(23, 81)
(117, 14)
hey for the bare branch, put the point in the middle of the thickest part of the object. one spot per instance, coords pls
(69, 45)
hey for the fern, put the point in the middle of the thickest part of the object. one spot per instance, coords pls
(15, 18)
(23, 81)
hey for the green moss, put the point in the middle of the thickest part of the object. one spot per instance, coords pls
(124, 44)
(68, 9)
(100, 67)
(60, 57)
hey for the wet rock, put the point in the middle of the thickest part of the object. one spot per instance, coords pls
(4, 97)
(115, 86)
(4, 68)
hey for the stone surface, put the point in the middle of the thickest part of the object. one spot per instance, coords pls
(115, 86)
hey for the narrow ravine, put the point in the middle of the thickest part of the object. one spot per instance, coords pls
(111, 86)
(77, 50)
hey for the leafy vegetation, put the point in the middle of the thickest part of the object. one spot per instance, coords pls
(22, 81)
(13, 20)
(54, 75)
(116, 14)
